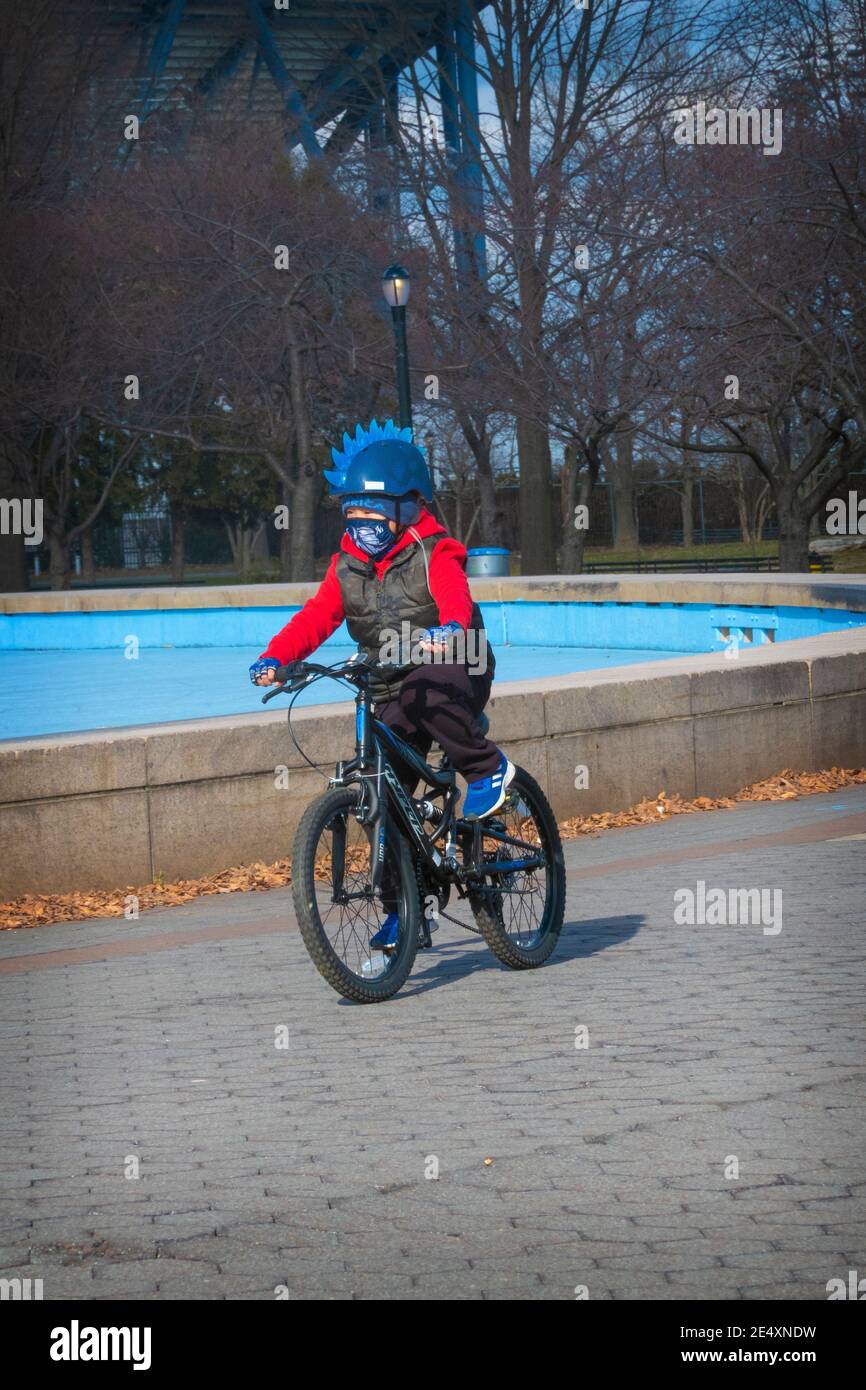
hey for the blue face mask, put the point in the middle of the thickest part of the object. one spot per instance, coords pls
(373, 537)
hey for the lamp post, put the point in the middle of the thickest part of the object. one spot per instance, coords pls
(395, 285)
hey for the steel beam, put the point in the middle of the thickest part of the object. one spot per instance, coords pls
(379, 194)
(470, 177)
(283, 81)
(347, 129)
(446, 64)
(254, 77)
(162, 46)
(224, 69)
(392, 109)
(364, 100)
(333, 77)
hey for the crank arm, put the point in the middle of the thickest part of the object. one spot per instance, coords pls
(512, 866)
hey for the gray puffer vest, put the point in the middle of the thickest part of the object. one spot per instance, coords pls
(386, 617)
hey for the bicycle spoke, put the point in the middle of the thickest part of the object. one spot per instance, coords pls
(517, 898)
(348, 912)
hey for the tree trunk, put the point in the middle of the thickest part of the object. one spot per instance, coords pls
(249, 537)
(88, 568)
(472, 524)
(491, 515)
(285, 537)
(760, 514)
(491, 512)
(13, 552)
(307, 480)
(568, 555)
(303, 514)
(178, 541)
(233, 544)
(438, 507)
(793, 534)
(686, 508)
(259, 545)
(751, 510)
(458, 511)
(625, 533)
(537, 530)
(13, 565)
(586, 485)
(59, 571)
(537, 549)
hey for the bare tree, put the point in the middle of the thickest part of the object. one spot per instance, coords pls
(262, 273)
(773, 322)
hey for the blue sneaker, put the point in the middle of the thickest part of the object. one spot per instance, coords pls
(387, 933)
(487, 795)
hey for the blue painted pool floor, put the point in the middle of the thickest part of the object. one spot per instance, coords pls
(49, 692)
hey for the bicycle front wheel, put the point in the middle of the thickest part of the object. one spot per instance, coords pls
(336, 908)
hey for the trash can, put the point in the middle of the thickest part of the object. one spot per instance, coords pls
(487, 562)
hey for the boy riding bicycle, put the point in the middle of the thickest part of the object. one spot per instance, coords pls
(397, 572)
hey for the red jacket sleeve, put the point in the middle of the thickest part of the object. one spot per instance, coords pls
(448, 583)
(320, 616)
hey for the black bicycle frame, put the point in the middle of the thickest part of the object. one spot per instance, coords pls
(371, 766)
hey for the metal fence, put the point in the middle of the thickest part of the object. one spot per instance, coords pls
(145, 539)
(819, 564)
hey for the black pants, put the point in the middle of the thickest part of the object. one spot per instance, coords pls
(442, 703)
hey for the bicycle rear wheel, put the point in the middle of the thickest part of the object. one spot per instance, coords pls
(520, 912)
(334, 902)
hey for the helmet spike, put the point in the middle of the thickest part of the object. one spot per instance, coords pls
(374, 433)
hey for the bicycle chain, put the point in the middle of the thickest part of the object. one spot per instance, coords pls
(424, 889)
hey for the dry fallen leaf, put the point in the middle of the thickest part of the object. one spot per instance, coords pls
(42, 909)
(783, 787)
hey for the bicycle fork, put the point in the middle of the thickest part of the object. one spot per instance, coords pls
(376, 812)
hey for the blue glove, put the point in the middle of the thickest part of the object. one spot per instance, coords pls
(440, 635)
(264, 663)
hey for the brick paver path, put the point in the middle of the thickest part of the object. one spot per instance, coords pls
(712, 1050)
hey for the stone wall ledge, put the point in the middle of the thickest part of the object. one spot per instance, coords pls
(108, 808)
(719, 589)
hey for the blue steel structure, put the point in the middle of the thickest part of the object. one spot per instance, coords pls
(331, 63)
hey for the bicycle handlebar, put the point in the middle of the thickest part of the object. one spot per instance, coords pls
(345, 671)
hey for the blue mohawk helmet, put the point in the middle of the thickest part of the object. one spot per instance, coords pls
(379, 461)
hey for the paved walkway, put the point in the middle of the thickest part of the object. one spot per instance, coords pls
(707, 1143)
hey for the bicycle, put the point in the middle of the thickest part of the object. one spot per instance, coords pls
(364, 846)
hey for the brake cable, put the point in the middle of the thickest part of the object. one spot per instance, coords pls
(306, 686)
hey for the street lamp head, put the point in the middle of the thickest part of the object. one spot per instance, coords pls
(395, 285)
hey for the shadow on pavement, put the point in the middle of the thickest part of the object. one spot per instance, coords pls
(592, 934)
(452, 961)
